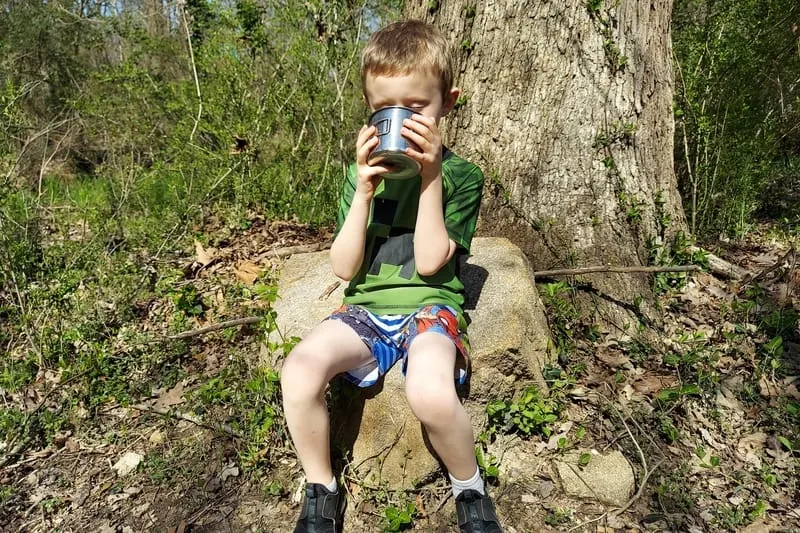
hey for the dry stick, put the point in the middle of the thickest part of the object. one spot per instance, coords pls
(213, 327)
(616, 269)
(224, 428)
(647, 473)
(751, 278)
(299, 249)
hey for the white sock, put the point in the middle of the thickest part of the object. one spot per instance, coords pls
(474, 483)
(332, 486)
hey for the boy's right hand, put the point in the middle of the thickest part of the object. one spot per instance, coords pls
(369, 177)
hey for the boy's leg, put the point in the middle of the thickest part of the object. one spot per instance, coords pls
(331, 348)
(430, 389)
(431, 394)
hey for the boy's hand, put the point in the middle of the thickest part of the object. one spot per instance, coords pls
(369, 177)
(424, 132)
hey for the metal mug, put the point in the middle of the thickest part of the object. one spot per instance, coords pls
(390, 151)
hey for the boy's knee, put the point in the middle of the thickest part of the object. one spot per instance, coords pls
(430, 401)
(300, 373)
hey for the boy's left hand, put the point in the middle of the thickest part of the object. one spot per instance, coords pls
(424, 132)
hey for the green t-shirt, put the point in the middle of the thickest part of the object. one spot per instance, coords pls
(388, 282)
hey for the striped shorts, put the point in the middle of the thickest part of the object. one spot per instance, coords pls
(389, 336)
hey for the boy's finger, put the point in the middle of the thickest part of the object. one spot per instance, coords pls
(416, 156)
(416, 138)
(365, 149)
(377, 170)
(365, 133)
(428, 121)
(419, 127)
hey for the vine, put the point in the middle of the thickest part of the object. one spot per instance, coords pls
(605, 23)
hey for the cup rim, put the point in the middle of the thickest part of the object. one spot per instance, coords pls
(391, 107)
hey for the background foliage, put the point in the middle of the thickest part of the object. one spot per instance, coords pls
(737, 112)
(125, 127)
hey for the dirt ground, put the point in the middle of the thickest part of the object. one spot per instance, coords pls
(189, 475)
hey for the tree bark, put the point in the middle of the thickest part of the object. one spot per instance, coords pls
(568, 109)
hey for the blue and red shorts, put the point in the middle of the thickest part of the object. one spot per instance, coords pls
(389, 336)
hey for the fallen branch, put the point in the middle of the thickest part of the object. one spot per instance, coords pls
(720, 267)
(212, 328)
(615, 269)
(223, 428)
(279, 253)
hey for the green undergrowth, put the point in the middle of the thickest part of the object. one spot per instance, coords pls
(89, 295)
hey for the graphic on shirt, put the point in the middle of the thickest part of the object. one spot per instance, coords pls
(395, 251)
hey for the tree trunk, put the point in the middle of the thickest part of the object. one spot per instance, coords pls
(567, 107)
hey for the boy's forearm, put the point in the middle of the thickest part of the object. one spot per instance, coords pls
(347, 250)
(431, 242)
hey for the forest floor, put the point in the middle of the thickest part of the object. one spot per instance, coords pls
(709, 417)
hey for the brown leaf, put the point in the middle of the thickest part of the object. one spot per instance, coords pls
(750, 448)
(203, 256)
(790, 387)
(171, 397)
(650, 384)
(613, 360)
(248, 272)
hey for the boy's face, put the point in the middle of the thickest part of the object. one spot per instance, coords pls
(419, 90)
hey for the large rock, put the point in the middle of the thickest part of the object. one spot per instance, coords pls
(509, 340)
(606, 478)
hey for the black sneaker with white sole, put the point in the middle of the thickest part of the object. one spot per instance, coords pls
(476, 513)
(322, 512)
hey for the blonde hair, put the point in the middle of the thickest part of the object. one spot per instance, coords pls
(405, 47)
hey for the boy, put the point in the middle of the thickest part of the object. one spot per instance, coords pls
(404, 299)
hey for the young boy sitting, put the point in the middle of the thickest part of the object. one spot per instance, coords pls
(398, 242)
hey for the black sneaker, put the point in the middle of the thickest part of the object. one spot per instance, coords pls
(322, 510)
(476, 513)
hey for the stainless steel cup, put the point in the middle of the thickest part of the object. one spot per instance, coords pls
(390, 151)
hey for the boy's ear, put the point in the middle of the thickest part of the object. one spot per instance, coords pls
(450, 100)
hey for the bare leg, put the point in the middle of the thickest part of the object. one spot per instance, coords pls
(431, 393)
(331, 348)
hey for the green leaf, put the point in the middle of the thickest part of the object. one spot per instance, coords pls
(668, 395)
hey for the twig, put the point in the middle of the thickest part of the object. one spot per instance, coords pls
(223, 428)
(616, 269)
(329, 290)
(751, 278)
(211, 328)
(28, 438)
(642, 484)
(291, 250)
